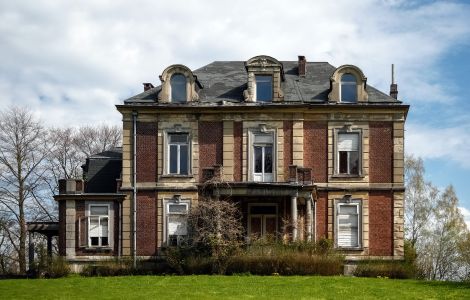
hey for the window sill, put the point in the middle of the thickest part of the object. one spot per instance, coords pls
(176, 176)
(350, 249)
(97, 248)
(347, 176)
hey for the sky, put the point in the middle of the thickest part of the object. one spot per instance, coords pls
(72, 61)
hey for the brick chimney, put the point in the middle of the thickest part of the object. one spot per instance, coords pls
(393, 85)
(302, 66)
(147, 86)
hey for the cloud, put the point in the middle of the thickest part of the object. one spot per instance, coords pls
(466, 215)
(449, 143)
(72, 62)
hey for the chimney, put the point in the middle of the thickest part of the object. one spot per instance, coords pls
(147, 86)
(302, 66)
(393, 85)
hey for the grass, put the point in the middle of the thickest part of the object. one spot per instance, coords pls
(230, 287)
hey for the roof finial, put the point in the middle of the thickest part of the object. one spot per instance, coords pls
(393, 73)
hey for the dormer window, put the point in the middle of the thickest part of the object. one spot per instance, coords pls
(265, 75)
(178, 88)
(348, 88)
(264, 88)
(348, 85)
(179, 85)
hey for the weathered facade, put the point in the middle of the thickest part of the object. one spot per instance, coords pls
(308, 151)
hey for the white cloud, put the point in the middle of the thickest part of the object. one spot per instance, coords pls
(72, 62)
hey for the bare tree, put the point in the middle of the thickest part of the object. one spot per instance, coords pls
(95, 139)
(23, 148)
(438, 252)
(420, 200)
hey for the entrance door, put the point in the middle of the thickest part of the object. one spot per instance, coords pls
(262, 220)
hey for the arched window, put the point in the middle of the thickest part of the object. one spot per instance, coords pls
(178, 88)
(348, 88)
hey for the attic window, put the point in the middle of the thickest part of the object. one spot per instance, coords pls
(264, 88)
(348, 88)
(178, 88)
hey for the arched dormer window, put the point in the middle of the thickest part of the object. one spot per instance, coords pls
(179, 85)
(348, 85)
(348, 88)
(178, 88)
(265, 75)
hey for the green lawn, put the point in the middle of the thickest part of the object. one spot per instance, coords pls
(229, 287)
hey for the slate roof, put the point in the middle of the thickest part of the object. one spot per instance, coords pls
(226, 81)
(101, 171)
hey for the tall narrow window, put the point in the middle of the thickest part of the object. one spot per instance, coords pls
(178, 153)
(348, 153)
(176, 222)
(98, 229)
(348, 88)
(264, 88)
(263, 159)
(348, 219)
(178, 88)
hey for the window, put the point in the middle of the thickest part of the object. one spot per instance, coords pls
(348, 160)
(262, 220)
(348, 88)
(348, 224)
(178, 153)
(264, 88)
(263, 157)
(98, 226)
(176, 222)
(178, 88)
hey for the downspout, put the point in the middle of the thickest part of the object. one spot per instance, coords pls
(120, 229)
(134, 183)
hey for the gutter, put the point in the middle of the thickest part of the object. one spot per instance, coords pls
(134, 183)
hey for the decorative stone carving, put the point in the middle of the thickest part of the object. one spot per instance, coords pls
(264, 65)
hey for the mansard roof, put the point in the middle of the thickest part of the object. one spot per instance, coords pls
(226, 81)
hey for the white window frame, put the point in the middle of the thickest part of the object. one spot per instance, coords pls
(337, 133)
(166, 216)
(255, 92)
(347, 83)
(166, 153)
(110, 224)
(262, 177)
(358, 204)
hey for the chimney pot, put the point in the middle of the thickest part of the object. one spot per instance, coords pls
(302, 66)
(393, 85)
(147, 86)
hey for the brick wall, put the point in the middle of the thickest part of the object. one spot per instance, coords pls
(211, 140)
(62, 216)
(321, 215)
(287, 147)
(316, 149)
(146, 223)
(380, 152)
(147, 134)
(237, 151)
(380, 223)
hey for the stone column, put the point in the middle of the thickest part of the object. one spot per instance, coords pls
(294, 217)
(309, 218)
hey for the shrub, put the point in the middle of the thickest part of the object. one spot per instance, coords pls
(122, 267)
(58, 267)
(389, 269)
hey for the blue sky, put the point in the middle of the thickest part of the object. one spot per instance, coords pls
(71, 62)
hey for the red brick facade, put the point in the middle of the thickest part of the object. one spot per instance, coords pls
(322, 215)
(147, 135)
(380, 223)
(316, 149)
(210, 144)
(146, 224)
(380, 152)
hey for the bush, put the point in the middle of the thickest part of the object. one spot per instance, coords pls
(287, 264)
(388, 269)
(58, 267)
(123, 267)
